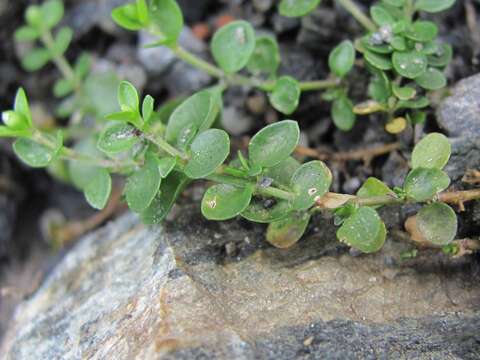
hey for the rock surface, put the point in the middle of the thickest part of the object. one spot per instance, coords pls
(193, 289)
(459, 114)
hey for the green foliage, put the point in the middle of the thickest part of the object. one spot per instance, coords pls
(285, 95)
(437, 223)
(161, 150)
(297, 8)
(274, 143)
(233, 45)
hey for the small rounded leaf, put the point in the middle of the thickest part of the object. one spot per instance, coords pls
(166, 20)
(52, 12)
(297, 8)
(373, 187)
(36, 59)
(286, 232)
(381, 16)
(126, 16)
(364, 230)
(35, 154)
(378, 61)
(433, 151)
(166, 166)
(26, 33)
(274, 143)
(423, 184)
(233, 45)
(223, 201)
(409, 64)
(98, 190)
(285, 95)
(266, 56)
(437, 223)
(117, 138)
(342, 113)
(208, 151)
(266, 210)
(422, 31)
(433, 6)
(432, 79)
(128, 97)
(311, 180)
(142, 186)
(62, 40)
(342, 58)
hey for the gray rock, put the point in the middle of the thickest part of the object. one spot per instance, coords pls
(175, 291)
(235, 121)
(465, 156)
(282, 24)
(459, 114)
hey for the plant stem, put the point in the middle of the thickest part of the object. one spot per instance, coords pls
(332, 201)
(235, 181)
(319, 84)
(162, 144)
(236, 79)
(358, 14)
(60, 60)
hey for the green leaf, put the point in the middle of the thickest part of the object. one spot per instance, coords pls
(15, 121)
(34, 16)
(285, 95)
(128, 97)
(7, 132)
(265, 57)
(432, 79)
(98, 190)
(171, 188)
(142, 186)
(364, 230)
(26, 33)
(419, 103)
(433, 6)
(52, 13)
(342, 58)
(297, 8)
(404, 93)
(223, 202)
(310, 181)
(373, 187)
(342, 113)
(147, 108)
(398, 43)
(117, 138)
(437, 223)
(21, 106)
(423, 184)
(274, 143)
(282, 172)
(442, 56)
(417, 117)
(142, 11)
(208, 151)
(166, 166)
(62, 40)
(377, 61)
(286, 232)
(409, 64)
(381, 16)
(432, 152)
(36, 59)
(35, 154)
(82, 66)
(166, 20)
(127, 17)
(395, 3)
(200, 109)
(62, 87)
(423, 31)
(233, 45)
(266, 210)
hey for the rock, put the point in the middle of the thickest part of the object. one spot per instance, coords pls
(465, 156)
(395, 170)
(459, 114)
(179, 291)
(156, 60)
(236, 121)
(282, 24)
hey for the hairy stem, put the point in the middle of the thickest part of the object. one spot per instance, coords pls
(162, 144)
(358, 14)
(60, 61)
(266, 191)
(236, 79)
(334, 201)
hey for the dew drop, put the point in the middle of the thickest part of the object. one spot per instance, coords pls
(312, 191)
(240, 35)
